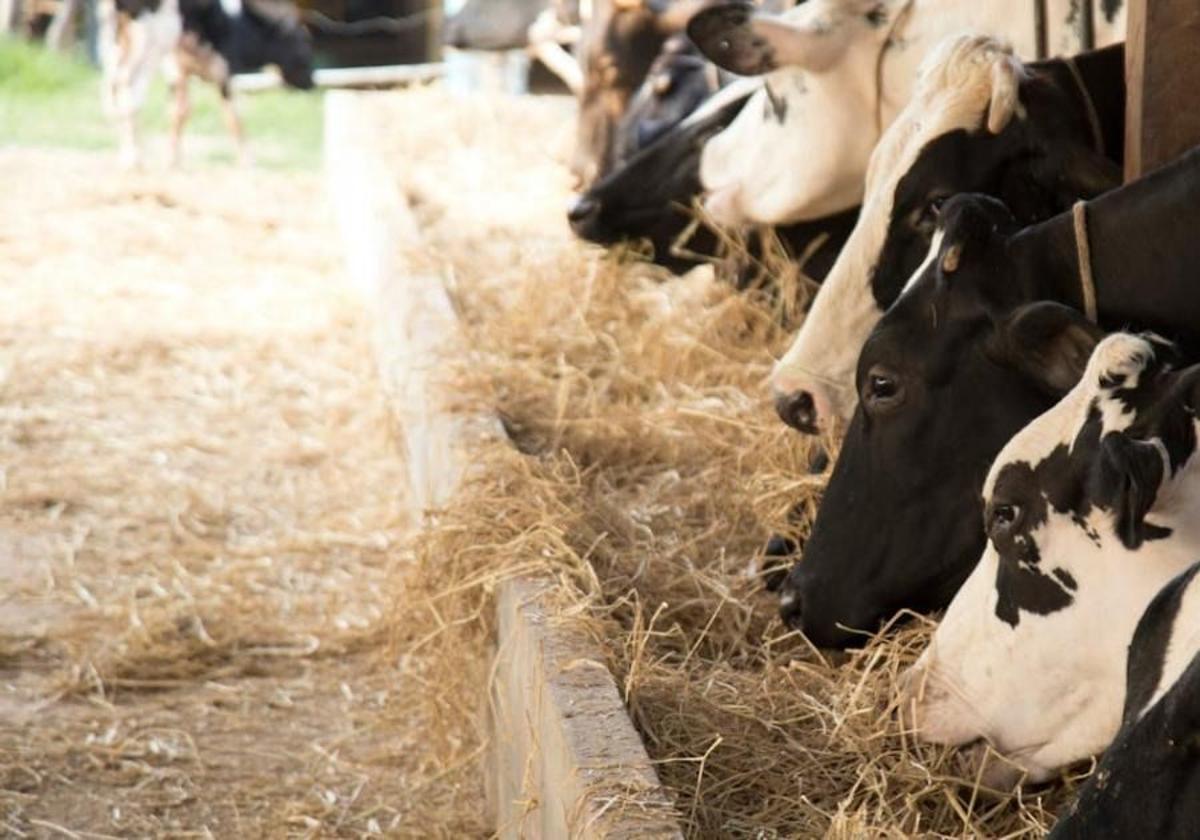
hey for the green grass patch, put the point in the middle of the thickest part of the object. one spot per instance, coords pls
(53, 100)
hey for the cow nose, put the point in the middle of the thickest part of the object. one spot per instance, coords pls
(776, 557)
(583, 210)
(798, 410)
(791, 607)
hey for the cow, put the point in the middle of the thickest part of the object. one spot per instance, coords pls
(837, 72)
(649, 198)
(620, 41)
(203, 38)
(1089, 511)
(1039, 137)
(960, 363)
(1148, 783)
(679, 81)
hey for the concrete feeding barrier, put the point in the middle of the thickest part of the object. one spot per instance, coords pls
(564, 757)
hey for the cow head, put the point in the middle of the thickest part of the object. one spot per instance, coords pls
(804, 138)
(1088, 513)
(620, 41)
(650, 195)
(978, 122)
(678, 82)
(944, 380)
(276, 36)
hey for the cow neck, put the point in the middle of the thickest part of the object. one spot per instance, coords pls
(1092, 85)
(1144, 254)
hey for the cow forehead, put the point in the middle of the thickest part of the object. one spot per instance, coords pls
(952, 92)
(1116, 367)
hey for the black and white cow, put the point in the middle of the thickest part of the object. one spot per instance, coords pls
(968, 355)
(1039, 137)
(212, 39)
(1148, 783)
(1089, 511)
(649, 198)
(837, 73)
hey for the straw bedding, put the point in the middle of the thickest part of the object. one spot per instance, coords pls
(200, 509)
(644, 474)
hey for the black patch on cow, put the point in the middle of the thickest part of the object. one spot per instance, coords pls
(1060, 481)
(723, 34)
(776, 106)
(1148, 651)
(1111, 8)
(877, 16)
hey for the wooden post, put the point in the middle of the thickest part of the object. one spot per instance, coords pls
(1162, 118)
(63, 26)
(10, 16)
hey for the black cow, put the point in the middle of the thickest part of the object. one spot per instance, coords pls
(968, 355)
(620, 42)
(1148, 783)
(195, 38)
(679, 81)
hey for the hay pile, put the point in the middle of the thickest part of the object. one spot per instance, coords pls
(646, 475)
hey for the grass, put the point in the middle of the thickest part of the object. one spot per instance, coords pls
(53, 100)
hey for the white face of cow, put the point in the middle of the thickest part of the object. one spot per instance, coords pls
(840, 70)
(1088, 516)
(968, 82)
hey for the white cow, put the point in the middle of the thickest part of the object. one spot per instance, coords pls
(837, 73)
(1090, 510)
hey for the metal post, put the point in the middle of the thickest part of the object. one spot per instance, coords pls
(1039, 29)
(1087, 26)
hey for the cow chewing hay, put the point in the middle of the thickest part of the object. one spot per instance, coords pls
(648, 470)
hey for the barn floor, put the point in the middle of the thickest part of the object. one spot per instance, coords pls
(199, 507)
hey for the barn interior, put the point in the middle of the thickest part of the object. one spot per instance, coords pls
(279, 444)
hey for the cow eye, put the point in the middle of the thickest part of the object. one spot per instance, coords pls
(931, 212)
(1002, 518)
(882, 388)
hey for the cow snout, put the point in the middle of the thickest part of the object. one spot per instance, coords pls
(583, 213)
(791, 606)
(799, 410)
(777, 557)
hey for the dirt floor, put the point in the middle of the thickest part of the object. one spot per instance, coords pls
(200, 505)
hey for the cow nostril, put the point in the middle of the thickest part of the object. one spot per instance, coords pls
(791, 607)
(582, 210)
(798, 410)
(776, 558)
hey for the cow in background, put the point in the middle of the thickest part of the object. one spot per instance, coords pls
(206, 38)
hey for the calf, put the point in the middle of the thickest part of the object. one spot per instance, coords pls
(838, 72)
(962, 361)
(1039, 137)
(1089, 511)
(194, 38)
(1148, 783)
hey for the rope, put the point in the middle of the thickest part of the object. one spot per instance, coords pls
(1087, 282)
(1089, 106)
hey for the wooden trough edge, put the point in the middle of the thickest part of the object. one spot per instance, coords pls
(564, 758)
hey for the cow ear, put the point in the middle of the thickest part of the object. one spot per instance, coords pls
(1005, 101)
(1127, 479)
(741, 39)
(1049, 343)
